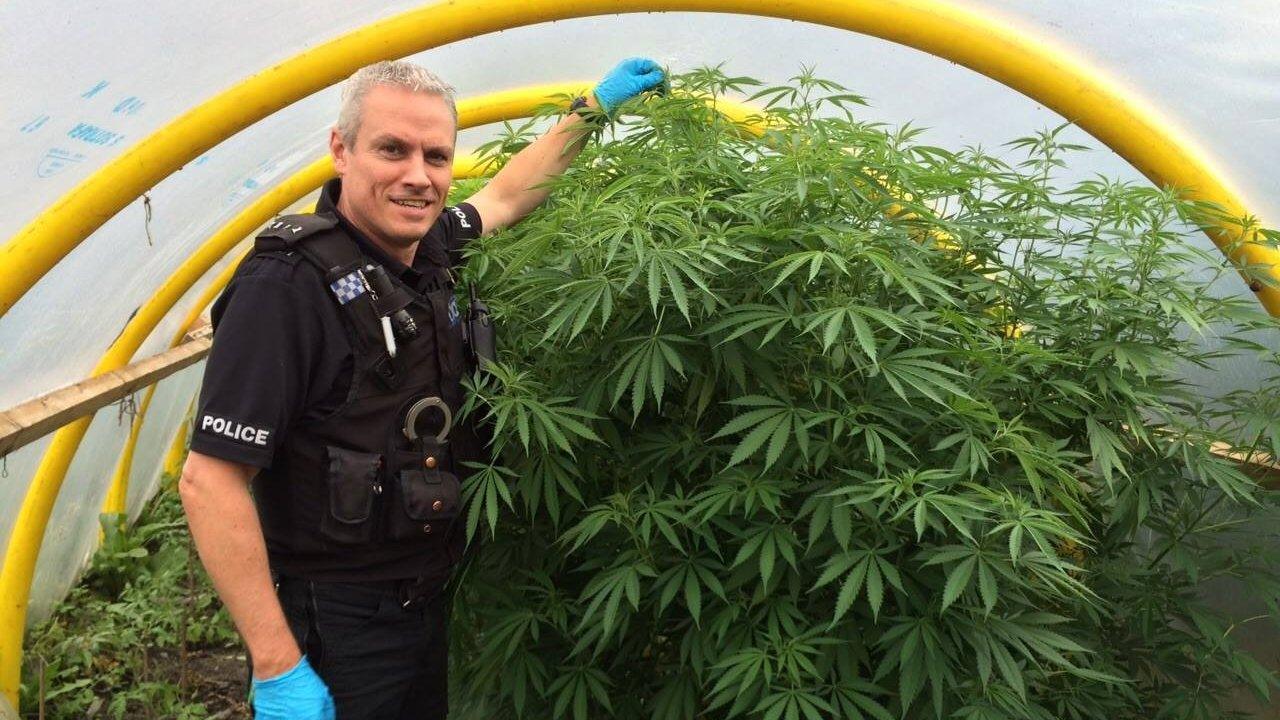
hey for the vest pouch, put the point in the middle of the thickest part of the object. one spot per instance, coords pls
(428, 496)
(354, 485)
(450, 346)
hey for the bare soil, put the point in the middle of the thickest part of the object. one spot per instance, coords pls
(219, 679)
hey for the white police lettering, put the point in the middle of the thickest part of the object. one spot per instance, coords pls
(234, 430)
(462, 217)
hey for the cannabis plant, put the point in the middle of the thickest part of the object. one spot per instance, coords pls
(809, 419)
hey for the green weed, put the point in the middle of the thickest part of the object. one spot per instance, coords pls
(834, 423)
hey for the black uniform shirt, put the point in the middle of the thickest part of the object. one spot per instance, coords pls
(280, 353)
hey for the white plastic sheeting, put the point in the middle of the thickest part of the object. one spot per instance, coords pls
(84, 81)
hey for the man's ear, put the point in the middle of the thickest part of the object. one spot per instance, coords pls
(338, 149)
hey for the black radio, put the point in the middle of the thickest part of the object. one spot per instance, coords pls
(482, 341)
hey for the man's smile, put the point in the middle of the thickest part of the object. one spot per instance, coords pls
(413, 203)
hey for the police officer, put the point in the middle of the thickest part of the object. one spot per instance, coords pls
(332, 389)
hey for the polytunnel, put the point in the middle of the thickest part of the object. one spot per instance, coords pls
(147, 141)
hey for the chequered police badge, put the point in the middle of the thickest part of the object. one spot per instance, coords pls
(349, 287)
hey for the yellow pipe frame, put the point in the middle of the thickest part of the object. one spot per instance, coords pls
(1009, 55)
(171, 466)
(1004, 53)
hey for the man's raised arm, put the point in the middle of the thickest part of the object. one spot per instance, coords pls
(519, 187)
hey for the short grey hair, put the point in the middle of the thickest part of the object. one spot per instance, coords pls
(395, 73)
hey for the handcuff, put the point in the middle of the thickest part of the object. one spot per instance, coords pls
(410, 429)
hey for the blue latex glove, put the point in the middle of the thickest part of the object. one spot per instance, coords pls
(630, 78)
(298, 694)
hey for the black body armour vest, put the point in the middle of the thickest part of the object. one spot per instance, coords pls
(354, 496)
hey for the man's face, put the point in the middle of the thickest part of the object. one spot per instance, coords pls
(396, 177)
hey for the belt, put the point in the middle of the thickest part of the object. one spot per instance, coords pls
(409, 592)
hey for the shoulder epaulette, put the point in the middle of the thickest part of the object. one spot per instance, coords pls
(289, 229)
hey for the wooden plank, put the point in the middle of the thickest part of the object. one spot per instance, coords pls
(36, 418)
(1260, 466)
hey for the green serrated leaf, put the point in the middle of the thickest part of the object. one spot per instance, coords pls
(957, 581)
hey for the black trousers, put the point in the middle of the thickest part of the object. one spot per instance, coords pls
(381, 659)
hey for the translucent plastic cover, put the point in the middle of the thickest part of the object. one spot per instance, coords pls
(85, 81)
